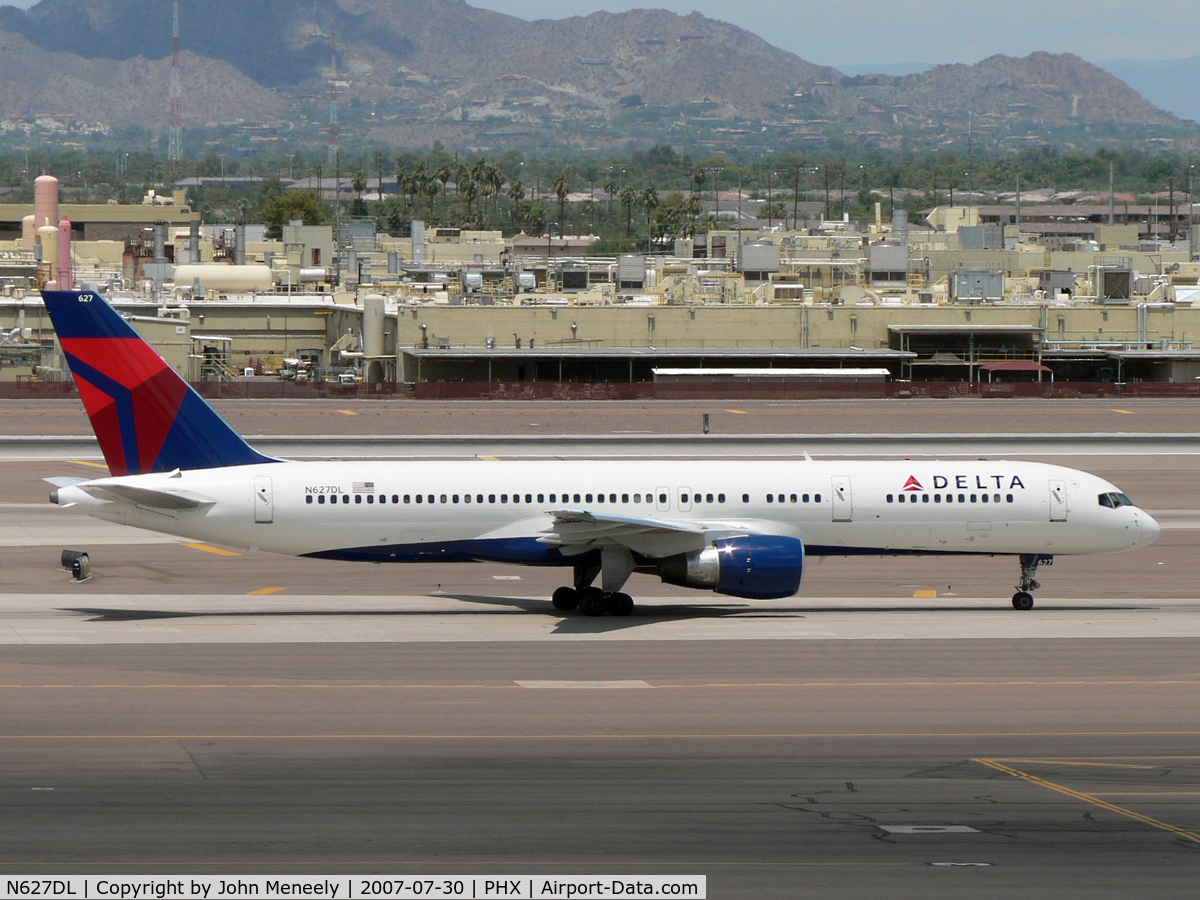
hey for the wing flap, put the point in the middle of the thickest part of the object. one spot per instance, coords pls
(578, 531)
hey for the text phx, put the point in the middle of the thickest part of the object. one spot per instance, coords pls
(508, 888)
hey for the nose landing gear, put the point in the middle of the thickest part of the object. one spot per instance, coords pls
(1023, 598)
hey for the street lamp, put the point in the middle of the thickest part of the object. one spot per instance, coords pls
(549, 238)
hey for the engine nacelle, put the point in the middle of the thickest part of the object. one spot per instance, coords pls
(756, 566)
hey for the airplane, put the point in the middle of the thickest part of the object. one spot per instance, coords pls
(735, 527)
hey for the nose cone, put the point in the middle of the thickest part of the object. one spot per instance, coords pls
(1150, 529)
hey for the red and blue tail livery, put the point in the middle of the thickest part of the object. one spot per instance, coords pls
(145, 416)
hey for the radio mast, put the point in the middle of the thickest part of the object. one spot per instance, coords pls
(175, 143)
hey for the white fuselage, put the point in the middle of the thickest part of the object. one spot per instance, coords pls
(476, 509)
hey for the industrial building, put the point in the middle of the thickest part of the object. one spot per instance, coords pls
(962, 300)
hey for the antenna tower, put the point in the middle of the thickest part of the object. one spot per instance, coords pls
(333, 99)
(175, 144)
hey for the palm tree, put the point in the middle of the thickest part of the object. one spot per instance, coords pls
(516, 193)
(431, 188)
(462, 178)
(649, 199)
(610, 189)
(442, 174)
(628, 197)
(561, 190)
(698, 178)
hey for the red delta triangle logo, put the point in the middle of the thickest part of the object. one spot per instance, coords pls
(912, 484)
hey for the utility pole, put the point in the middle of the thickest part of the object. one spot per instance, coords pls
(1112, 196)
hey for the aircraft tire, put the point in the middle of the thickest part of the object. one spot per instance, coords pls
(592, 603)
(565, 599)
(620, 605)
(1022, 600)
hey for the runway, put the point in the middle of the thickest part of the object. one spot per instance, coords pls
(897, 729)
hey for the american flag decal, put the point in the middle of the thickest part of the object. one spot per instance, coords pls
(364, 487)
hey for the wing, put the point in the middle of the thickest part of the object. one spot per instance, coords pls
(578, 531)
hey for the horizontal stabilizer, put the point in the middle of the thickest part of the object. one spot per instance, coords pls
(148, 497)
(62, 481)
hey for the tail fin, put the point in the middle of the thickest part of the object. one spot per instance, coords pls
(145, 416)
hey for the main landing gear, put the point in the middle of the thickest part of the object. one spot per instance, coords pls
(616, 566)
(1023, 598)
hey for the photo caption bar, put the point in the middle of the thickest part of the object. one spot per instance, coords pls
(353, 887)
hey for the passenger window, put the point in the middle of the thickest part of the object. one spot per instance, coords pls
(805, 498)
(745, 498)
(370, 498)
(770, 498)
(466, 498)
(816, 498)
(541, 498)
(937, 498)
(962, 498)
(504, 498)
(995, 498)
(890, 498)
(396, 498)
(1010, 498)
(599, 498)
(321, 498)
(612, 498)
(924, 498)
(973, 498)
(358, 498)
(589, 499)
(430, 498)
(662, 498)
(408, 498)
(529, 498)
(479, 498)
(383, 498)
(794, 498)
(552, 498)
(683, 498)
(491, 498)
(637, 498)
(308, 498)
(577, 498)
(720, 498)
(455, 498)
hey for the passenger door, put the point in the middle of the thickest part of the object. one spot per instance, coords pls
(264, 500)
(1058, 500)
(843, 499)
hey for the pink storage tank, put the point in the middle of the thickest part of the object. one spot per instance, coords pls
(28, 233)
(45, 200)
(66, 274)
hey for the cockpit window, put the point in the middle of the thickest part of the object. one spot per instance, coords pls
(1115, 500)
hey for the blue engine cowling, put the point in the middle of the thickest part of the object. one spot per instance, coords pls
(756, 566)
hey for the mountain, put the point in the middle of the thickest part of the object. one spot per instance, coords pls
(414, 71)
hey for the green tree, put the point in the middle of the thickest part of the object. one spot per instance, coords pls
(288, 206)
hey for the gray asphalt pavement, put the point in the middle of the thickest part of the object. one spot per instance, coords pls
(895, 730)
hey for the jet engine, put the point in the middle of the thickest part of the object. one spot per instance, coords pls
(755, 566)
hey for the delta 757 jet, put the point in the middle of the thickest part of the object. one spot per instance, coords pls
(736, 527)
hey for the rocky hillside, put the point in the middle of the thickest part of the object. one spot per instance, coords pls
(418, 70)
